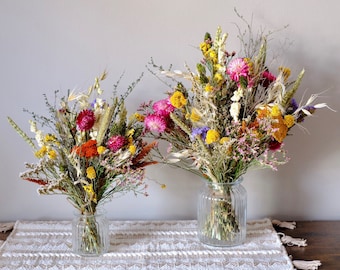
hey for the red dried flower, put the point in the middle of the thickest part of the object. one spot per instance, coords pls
(85, 120)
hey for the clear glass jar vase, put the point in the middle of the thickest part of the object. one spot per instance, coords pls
(90, 234)
(222, 214)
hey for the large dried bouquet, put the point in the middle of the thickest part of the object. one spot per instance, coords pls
(234, 113)
(231, 113)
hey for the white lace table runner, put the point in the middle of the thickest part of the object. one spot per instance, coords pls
(142, 245)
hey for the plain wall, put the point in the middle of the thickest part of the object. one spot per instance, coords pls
(47, 45)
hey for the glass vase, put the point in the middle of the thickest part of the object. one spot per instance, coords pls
(222, 214)
(90, 234)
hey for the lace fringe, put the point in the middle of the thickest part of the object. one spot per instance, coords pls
(300, 242)
(4, 227)
(306, 265)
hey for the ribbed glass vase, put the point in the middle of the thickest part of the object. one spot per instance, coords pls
(90, 234)
(222, 214)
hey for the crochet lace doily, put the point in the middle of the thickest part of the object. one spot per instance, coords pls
(142, 245)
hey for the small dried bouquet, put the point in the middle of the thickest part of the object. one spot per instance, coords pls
(88, 150)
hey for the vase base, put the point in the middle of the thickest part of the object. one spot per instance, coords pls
(236, 240)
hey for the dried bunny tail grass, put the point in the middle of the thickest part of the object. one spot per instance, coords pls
(21, 132)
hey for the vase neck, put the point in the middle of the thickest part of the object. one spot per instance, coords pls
(215, 185)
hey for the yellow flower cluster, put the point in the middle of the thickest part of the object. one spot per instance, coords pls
(101, 149)
(208, 87)
(178, 100)
(212, 136)
(90, 192)
(280, 124)
(91, 173)
(132, 148)
(44, 150)
(204, 46)
(139, 117)
(50, 138)
(194, 116)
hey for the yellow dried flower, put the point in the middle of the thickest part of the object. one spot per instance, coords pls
(263, 112)
(52, 154)
(208, 88)
(130, 132)
(91, 173)
(139, 117)
(101, 149)
(224, 140)
(289, 120)
(280, 129)
(275, 111)
(250, 64)
(194, 116)
(218, 78)
(178, 100)
(41, 152)
(132, 149)
(90, 192)
(49, 138)
(205, 47)
(212, 136)
(213, 56)
(285, 72)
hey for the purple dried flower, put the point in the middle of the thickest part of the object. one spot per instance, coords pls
(202, 131)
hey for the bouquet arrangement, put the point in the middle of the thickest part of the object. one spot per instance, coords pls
(234, 112)
(90, 150)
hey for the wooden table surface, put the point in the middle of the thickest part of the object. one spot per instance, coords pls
(323, 242)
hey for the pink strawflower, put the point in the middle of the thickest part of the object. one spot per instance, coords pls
(237, 68)
(268, 78)
(116, 142)
(85, 120)
(154, 122)
(163, 107)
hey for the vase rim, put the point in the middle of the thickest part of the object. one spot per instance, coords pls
(236, 182)
(98, 212)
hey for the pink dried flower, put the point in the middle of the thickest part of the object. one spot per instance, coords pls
(155, 123)
(163, 107)
(85, 120)
(116, 142)
(237, 68)
(268, 78)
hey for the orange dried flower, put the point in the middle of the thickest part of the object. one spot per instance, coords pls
(88, 149)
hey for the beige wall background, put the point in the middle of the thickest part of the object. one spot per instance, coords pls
(47, 45)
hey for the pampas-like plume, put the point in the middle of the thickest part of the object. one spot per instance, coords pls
(138, 160)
